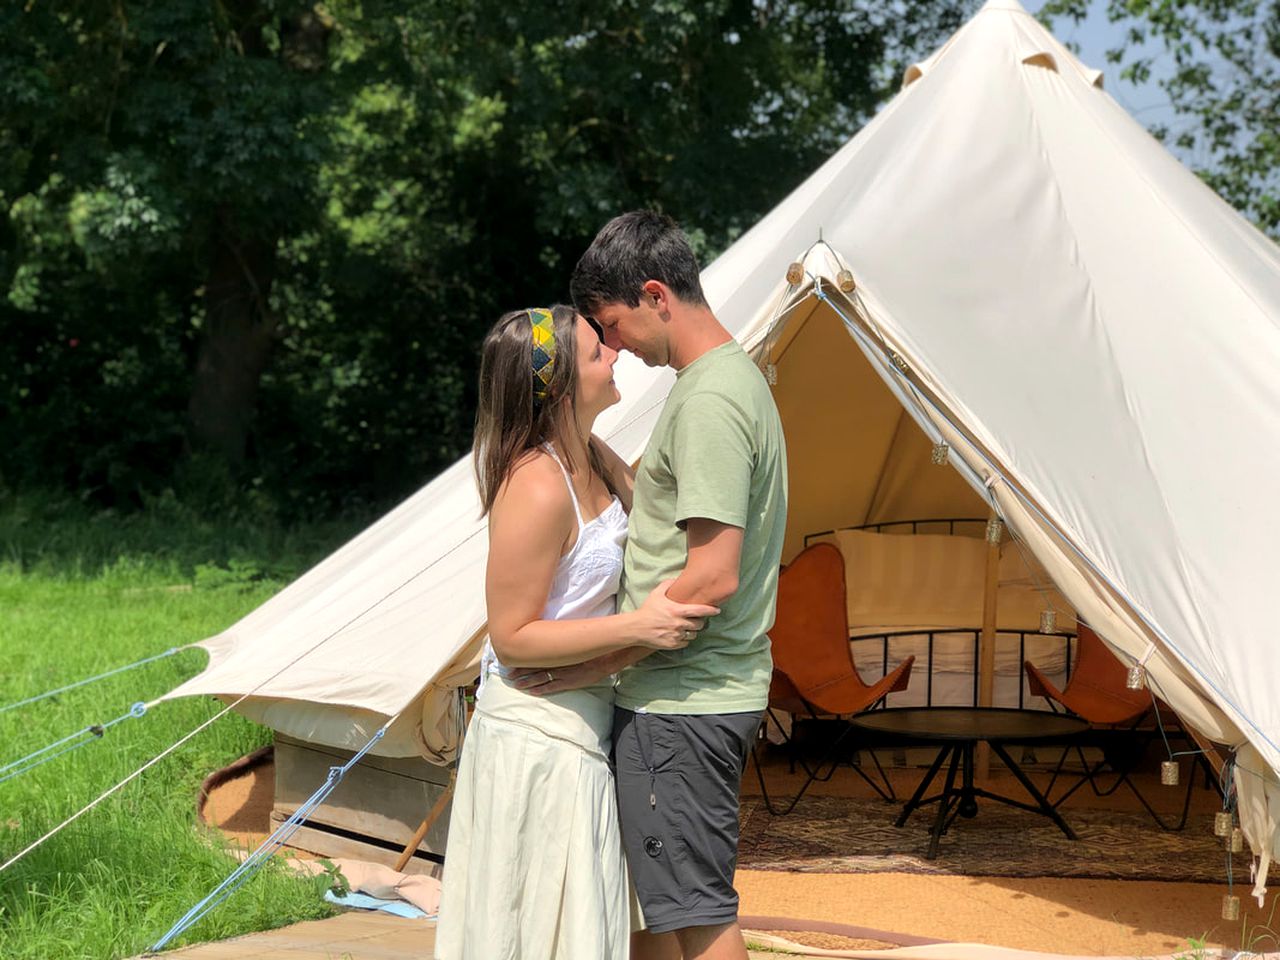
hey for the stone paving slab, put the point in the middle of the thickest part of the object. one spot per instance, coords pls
(353, 935)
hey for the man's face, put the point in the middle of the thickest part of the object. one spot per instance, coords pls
(639, 330)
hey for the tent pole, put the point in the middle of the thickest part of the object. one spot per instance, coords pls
(432, 816)
(987, 646)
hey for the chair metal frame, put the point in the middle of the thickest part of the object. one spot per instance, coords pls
(829, 759)
(811, 625)
(1116, 715)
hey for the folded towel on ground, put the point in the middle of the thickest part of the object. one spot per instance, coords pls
(362, 901)
(383, 883)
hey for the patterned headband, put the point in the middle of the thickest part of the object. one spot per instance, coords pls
(544, 349)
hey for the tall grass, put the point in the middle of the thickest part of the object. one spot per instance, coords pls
(81, 593)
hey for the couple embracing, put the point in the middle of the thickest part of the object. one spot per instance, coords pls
(628, 666)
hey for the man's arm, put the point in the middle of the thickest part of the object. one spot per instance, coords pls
(715, 557)
(529, 522)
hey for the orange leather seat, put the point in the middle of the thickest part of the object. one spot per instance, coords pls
(1096, 690)
(813, 665)
(811, 637)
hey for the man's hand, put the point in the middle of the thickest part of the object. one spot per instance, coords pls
(541, 682)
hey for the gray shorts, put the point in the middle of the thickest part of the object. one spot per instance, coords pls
(678, 777)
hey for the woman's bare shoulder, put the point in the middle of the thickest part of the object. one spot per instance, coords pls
(534, 482)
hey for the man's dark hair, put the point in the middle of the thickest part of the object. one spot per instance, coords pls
(629, 250)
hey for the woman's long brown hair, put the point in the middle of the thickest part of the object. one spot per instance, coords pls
(509, 420)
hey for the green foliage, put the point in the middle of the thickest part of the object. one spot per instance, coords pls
(363, 186)
(337, 880)
(1224, 83)
(1261, 936)
(109, 884)
(170, 542)
(1197, 949)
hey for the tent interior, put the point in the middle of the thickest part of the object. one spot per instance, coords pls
(912, 531)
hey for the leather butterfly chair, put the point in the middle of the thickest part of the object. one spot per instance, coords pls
(813, 665)
(1097, 692)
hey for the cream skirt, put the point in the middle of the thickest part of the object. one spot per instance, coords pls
(534, 866)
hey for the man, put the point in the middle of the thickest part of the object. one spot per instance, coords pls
(710, 510)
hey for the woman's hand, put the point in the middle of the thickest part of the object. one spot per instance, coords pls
(664, 624)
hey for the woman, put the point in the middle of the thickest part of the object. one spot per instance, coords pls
(535, 867)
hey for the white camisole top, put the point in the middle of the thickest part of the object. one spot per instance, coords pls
(587, 577)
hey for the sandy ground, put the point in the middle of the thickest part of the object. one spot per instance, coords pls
(1102, 917)
(1088, 917)
(1107, 917)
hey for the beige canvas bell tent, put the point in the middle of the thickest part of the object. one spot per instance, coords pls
(1037, 284)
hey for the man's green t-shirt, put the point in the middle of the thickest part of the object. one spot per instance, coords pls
(717, 452)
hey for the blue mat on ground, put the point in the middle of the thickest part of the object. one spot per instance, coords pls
(362, 901)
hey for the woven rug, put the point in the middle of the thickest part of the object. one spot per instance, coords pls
(848, 835)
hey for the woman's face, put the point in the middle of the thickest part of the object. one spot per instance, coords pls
(596, 389)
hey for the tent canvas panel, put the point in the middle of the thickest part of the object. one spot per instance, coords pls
(853, 455)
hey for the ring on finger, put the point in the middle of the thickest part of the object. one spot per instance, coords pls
(550, 678)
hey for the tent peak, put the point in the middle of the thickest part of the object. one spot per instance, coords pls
(1015, 37)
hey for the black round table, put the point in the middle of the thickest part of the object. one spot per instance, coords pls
(957, 732)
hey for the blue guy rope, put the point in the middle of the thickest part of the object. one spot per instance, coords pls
(255, 860)
(89, 734)
(458, 545)
(88, 680)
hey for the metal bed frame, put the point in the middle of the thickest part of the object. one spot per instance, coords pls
(950, 523)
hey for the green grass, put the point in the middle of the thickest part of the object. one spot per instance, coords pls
(83, 593)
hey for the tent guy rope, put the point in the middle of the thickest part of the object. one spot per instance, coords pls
(225, 710)
(90, 734)
(101, 676)
(110, 790)
(269, 846)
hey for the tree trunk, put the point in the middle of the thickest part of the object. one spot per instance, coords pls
(238, 333)
(239, 327)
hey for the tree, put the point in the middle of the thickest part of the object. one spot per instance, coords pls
(1225, 56)
(263, 77)
(277, 230)
(157, 153)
